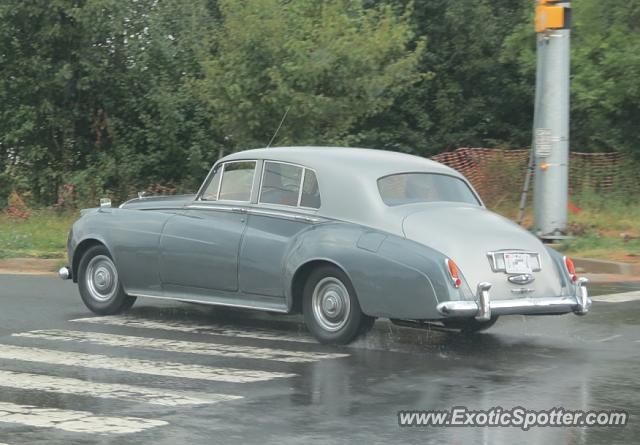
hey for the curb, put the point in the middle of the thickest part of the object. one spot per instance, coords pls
(29, 266)
(590, 265)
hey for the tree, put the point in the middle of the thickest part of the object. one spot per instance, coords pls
(94, 93)
(38, 44)
(471, 97)
(331, 64)
(605, 66)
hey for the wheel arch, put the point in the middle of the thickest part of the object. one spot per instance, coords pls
(301, 275)
(82, 247)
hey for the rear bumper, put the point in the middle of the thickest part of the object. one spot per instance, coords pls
(484, 308)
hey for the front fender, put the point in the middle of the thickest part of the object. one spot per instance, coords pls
(131, 236)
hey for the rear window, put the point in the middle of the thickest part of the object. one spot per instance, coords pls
(407, 188)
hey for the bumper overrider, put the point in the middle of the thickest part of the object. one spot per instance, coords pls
(484, 308)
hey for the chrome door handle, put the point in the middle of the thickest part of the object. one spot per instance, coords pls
(238, 210)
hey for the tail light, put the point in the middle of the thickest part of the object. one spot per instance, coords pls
(568, 263)
(454, 273)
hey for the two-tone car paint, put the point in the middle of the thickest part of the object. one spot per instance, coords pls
(255, 255)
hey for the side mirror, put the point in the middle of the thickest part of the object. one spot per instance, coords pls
(105, 202)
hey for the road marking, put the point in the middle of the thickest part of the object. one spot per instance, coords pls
(229, 331)
(65, 385)
(73, 421)
(137, 366)
(181, 346)
(618, 298)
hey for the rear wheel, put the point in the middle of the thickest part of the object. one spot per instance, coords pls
(330, 306)
(99, 284)
(470, 326)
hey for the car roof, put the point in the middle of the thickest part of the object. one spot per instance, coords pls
(346, 161)
(347, 178)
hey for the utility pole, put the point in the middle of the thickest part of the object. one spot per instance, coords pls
(551, 119)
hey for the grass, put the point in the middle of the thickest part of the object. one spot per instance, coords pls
(605, 227)
(600, 228)
(42, 235)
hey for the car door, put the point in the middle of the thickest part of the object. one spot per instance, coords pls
(200, 247)
(288, 200)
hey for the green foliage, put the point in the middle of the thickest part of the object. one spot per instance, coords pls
(472, 97)
(95, 91)
(605, 67)
(42, 235)
(605, 227)
(113, 96)
(331, 64)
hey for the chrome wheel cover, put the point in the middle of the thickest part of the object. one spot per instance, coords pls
(331, 304)
(101, 278)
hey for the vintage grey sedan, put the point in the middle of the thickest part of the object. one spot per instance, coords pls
(342, 235)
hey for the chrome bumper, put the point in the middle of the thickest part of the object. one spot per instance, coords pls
(484, 308)
(64, 273)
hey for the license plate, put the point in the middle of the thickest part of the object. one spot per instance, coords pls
(517, 263)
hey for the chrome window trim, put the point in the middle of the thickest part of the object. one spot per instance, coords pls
(264, 169)
(223, 166)
(205, 183)
(283, 214)
(251, 210)
(213, 207)
(219, 183)
(461, 178)
(302, 178)
(304, 174)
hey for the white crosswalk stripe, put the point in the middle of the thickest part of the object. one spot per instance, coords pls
(130, 393)
(73, 421)
(81, 421)
(181, 346)
(138, 366)
(168, 325)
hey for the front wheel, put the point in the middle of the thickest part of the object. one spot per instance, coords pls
(330, 306)
(99, 284)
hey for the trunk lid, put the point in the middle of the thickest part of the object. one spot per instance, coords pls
(467, 233)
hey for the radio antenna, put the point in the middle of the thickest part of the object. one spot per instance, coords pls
(284, 116)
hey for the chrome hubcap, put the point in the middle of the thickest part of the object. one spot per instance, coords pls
(331, 304)
(101, 278)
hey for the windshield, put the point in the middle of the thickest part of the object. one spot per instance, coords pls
(407, 188)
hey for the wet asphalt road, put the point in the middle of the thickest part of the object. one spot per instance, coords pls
(303, 392)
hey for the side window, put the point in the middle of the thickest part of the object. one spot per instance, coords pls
(237, 180)
(310, 191)
(211, 192)
(280, 184)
